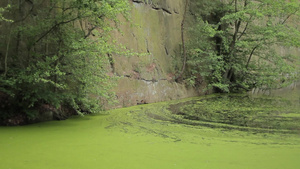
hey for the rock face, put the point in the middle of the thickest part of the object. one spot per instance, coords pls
(155, 34)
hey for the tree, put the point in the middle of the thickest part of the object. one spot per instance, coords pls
(235, 44)
(57, 55)
(183, 41)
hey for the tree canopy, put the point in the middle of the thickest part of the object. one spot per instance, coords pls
(56, 54)
(243, 44)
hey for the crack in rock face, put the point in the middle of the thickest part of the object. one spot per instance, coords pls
(151, 76)
(154, 6)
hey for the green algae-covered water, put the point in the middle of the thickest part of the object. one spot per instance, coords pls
(210, 132)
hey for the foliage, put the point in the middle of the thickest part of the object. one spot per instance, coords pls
(2, 10)
(59, 54)
(237, 44)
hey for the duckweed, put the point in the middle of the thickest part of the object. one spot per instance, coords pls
(210, 132)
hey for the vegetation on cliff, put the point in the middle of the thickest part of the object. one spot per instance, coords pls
(236, 44)
(54, 57)
(55, 54)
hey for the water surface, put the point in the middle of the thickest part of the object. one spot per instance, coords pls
(210, 132)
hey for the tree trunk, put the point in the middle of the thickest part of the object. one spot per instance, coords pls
(183, 43)
(6, 56)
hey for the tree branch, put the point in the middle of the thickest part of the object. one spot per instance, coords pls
(30, 11)
(237, 25)
(245, 29)
(93, 28)
(289, 17)
(53, 27)
(251, 54)
(89, 32)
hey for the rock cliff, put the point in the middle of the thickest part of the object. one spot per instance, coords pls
(156, 37)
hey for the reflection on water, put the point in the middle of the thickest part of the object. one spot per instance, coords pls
(290, 92)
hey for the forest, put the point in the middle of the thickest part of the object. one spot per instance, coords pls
(58, 57)
(149, 84)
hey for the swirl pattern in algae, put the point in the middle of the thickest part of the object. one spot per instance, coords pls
(211, 132)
